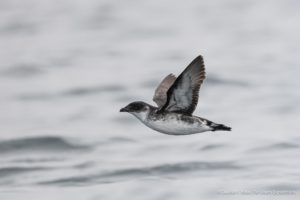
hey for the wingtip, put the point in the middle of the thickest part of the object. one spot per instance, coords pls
(199, 57)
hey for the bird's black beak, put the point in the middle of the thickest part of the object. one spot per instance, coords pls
(124, 110)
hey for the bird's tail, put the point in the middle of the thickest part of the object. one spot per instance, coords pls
(220, 127)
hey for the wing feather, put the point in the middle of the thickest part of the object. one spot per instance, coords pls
(182, 96)
(160, 95)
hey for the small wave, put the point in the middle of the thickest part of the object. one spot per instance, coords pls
(12, 171)
(212, 147)
(22, 71)
(132, 173)
(277, 146)
(193, 166)
(121, 140)
(19, 27)
(92, 90)
(38, 144)
(37, 160)
(80, 91)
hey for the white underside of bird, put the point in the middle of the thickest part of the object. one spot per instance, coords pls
(172, 126)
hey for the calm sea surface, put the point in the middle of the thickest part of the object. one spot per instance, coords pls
(67, 67)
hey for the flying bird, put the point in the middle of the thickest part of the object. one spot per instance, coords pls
(176, 100)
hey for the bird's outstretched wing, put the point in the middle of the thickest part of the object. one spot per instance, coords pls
(182, 96)
(160, 95)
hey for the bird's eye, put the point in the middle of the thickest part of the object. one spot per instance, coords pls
(137, 107)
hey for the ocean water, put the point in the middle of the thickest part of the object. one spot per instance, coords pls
(67, 67)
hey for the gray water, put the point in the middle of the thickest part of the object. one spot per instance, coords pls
(67, 67)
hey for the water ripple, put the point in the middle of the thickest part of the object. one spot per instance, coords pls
(39, 144)
(12, 171)
(132, 173)
(22, 70)
(79, 91)
(277, 146)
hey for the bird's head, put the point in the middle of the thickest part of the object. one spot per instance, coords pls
(138, 108)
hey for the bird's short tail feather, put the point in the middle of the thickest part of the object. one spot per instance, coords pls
(220, 127)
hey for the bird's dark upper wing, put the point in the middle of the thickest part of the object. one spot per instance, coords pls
(182, 97)
(160, 95)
